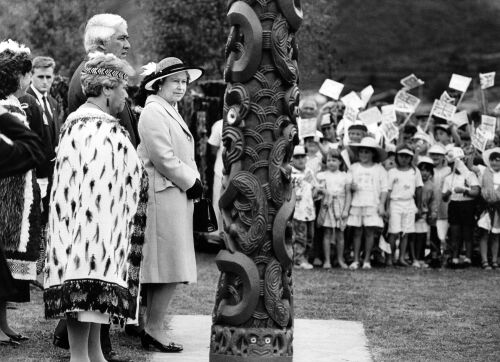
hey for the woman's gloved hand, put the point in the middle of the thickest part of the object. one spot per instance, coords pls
(196, 191)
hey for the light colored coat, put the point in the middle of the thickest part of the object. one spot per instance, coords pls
(167, 150)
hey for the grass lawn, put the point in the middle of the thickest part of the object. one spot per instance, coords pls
(408, 314)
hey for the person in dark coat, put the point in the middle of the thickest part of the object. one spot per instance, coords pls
(41, 107)
(19, 192)
(20, 147)
(21, 151)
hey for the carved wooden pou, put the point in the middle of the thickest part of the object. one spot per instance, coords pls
(253, 313)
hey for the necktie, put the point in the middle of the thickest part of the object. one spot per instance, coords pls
(46, 109)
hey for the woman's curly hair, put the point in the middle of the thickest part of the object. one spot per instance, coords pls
(12, 65)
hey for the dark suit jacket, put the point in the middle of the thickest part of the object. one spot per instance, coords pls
(34, 115)
(54, 107)
(20, 148)
(76, 98)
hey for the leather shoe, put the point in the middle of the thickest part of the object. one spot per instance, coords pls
(61, 342)
(147, 340)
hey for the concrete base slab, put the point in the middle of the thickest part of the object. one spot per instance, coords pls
(314, 340)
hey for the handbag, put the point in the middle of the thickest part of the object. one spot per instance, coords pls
(204, 219)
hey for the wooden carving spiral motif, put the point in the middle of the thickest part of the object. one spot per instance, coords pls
(253, 313)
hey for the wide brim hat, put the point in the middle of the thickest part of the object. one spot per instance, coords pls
(405, 151)
(488, 153)
(357, 125)
(169, 66)
(299, 150)
(369, 142)
(444, 127)
(325, 120)
(425, 160)
(437, 149)
(456, 153)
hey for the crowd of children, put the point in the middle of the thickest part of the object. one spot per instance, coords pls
(426, 199)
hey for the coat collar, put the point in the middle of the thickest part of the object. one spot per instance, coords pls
(170, 110)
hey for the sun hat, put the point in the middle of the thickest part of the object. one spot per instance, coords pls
(316, 138)
(390, 148)
(369, 142)
(444, 127)
(166, 67)
(404, 150)
(425, 160)
(437, 149)
(455, 153)
(358, 125)
(325, 120)
(420, 135)
(487, 154)
(299, 151)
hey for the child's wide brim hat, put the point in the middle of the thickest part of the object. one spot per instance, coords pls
(299, 151)
(357, 125)
(456, 153)
(169, 66)
(444, 127)
(404, 151)
(369, 142)
(437, 149)
(424, 160)
(487, 154)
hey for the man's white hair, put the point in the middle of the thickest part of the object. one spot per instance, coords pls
(99, 30)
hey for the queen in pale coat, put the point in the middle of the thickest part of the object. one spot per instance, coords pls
(167, 150)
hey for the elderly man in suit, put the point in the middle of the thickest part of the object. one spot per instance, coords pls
(105, 33)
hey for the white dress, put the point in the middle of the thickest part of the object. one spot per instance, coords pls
(333, 203)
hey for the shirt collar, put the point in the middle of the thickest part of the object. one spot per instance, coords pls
(37, 93)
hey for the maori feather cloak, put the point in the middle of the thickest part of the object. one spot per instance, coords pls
(20, 228)
(96, 221)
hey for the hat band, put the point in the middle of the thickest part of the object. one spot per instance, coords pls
(106, 72)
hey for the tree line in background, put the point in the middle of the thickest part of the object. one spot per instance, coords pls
(355, 41)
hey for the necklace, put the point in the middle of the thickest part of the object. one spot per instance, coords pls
(96, 106)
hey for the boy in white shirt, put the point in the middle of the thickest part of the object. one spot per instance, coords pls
(405, 185)
(461, 187)
(304, 217)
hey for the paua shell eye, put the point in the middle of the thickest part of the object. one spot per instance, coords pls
(253, 339)
(232, 115)
(267, 340)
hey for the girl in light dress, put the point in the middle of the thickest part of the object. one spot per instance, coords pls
(336, 188)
